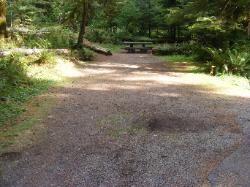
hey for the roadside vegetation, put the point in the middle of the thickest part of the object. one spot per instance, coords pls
(22, 79)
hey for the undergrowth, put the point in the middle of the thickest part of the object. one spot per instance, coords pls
(192, 66)
(16, 87)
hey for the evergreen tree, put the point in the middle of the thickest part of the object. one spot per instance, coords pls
(3, 24)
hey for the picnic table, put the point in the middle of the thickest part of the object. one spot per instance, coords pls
(141, 46)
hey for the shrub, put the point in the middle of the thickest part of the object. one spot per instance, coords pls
(174, 49)
(201, 53)
(239, 62)
(185, 48)
(102, 36)
(54, 37)
(46, 58)
(84, 54)
(230, 61)
(13, 72)
(166, 49)
(97, 36)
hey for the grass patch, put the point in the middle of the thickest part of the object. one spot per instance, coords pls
(234, 80)
(12, 106)
(115, 48)
(10, 133)
(179, 58)
(187, 64)
(183, 63)
(22, 79)
(83, 54)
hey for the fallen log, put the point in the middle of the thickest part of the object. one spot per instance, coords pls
(24, 51)
(26, 31)
(97, 49)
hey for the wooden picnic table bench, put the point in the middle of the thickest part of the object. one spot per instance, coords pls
(133, 46)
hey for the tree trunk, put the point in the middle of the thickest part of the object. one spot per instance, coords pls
(150, 19)
(83, 22)
(248, 29)
(149, 31)
(3, 25)
(173, 33)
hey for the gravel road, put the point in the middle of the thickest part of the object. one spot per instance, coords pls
(130, 120)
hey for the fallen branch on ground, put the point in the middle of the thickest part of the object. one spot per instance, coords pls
(97, 49)
(24, 51)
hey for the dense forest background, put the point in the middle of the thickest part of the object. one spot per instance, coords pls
(217, 32)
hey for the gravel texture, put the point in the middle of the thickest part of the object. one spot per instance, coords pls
(129, 120)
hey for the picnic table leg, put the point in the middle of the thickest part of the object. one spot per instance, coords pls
(144, 49)
(132, 49)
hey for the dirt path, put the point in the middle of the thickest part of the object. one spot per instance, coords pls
(130, 121)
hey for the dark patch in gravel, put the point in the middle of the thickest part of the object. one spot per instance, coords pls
(172, 124)
(10, 156)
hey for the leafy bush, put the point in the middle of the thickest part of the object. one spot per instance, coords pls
(174, 49)
(230, 61)
(13, 72)
(102, 36)
(99, 36)
(16, 87)
(165, 49)
(239, 62)
(185, 48)
(54, 37)
(84, 54)
(46, 58)
(201, 53)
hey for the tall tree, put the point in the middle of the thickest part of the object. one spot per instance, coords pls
(3, 25)
(85, 6)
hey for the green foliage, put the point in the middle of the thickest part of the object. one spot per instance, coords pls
(13, 73)
(179, 58)
(83, 54)
(113, 47)
(102, 36)
(16, 87)
(174, 49)
(11, 104)
(52, 37)
(207, 29)
(46, 58)
(231, 61)
(239, 62)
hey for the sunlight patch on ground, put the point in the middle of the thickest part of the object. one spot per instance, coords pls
(108, 87)
(58, 72)
(147, 76)
(222, 86)
(112, 65)
(67, 68)
(168, 95)
(99, 71)
(97, 87)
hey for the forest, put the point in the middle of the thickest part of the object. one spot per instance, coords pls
(124, 93)
(215, 32)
